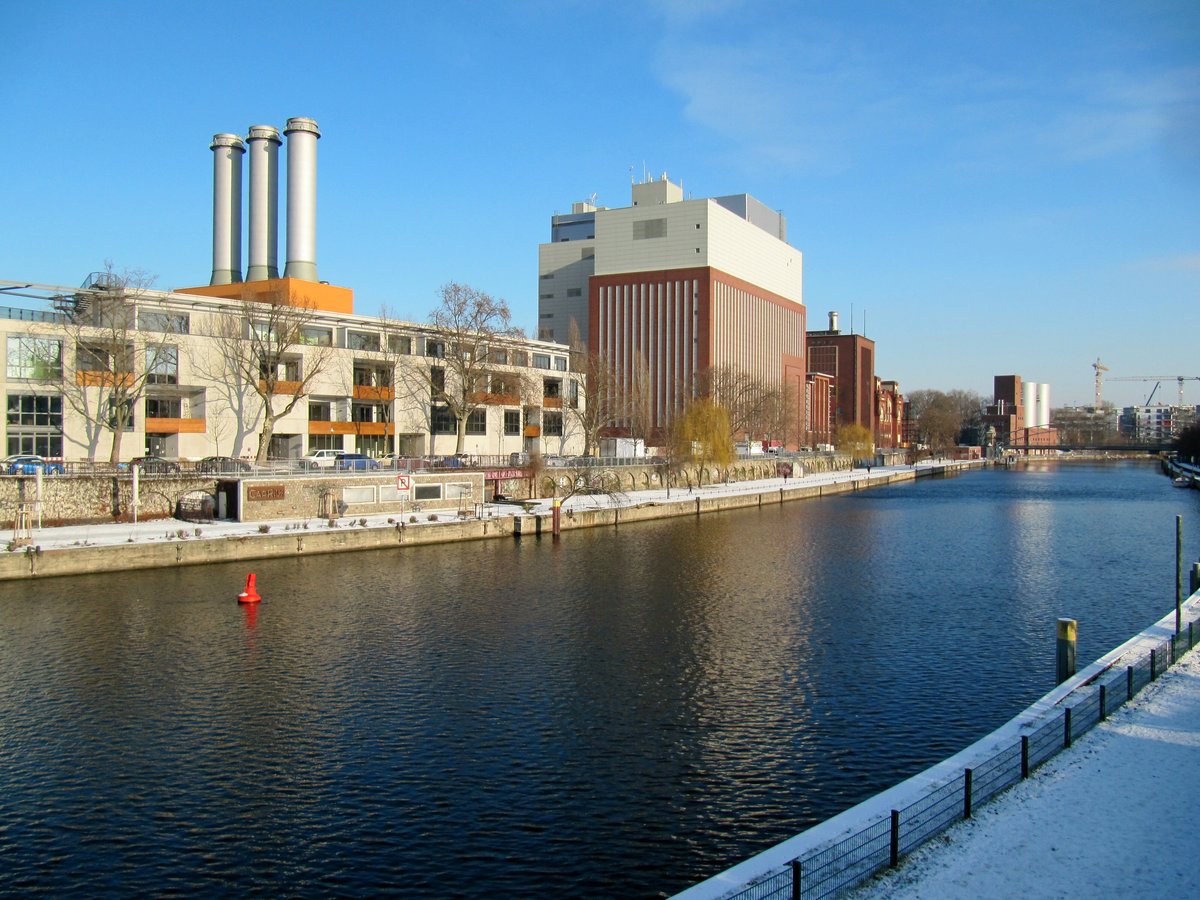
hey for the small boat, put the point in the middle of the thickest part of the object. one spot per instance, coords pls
(1182, 481)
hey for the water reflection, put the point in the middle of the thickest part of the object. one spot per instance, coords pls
(618, 713)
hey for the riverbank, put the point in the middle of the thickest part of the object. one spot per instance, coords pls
(89, 549)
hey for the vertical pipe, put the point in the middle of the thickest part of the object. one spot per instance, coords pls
(1067, 631)
(227, 208)
(302, 135)
(263, 142)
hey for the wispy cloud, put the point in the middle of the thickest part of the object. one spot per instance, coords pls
(1182, 262)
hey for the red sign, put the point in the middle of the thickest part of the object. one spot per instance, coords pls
(502, 474)
(404, 483)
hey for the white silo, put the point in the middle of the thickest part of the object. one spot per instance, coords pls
(227, 208)
(1029, 403)
(263, 141)
(302, 135)
(1043, 406)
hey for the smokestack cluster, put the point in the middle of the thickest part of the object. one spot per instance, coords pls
(263, 142)
(1035, 402)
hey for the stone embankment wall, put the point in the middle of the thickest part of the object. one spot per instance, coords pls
(34, 562)
(86, 499)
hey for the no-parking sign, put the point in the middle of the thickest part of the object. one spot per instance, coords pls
(403, 483)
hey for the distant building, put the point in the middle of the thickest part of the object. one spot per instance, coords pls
(850, 359)
(1020, 414)
(668, 287)
(1156, 423)
(889, 415)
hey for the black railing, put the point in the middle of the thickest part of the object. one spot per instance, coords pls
(884, 840)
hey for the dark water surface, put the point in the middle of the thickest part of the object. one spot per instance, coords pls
(619, 714)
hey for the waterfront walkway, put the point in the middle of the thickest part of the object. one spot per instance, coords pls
(174, 530)
(1110, 817)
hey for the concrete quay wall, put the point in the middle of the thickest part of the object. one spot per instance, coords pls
(35, 562)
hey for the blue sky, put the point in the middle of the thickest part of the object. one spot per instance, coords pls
(992, 188)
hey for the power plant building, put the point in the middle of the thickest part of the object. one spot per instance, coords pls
(668, 288)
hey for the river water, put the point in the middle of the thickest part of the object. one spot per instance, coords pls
(618, 714)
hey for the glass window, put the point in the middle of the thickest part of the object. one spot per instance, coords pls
(477, 421)
(512, 421)
(436, 349)
(320, 411)
(34, 358)
(359, 340)
(164, 408)
(158, 320)
(552, 424)
(552, 387)
(427, 492)
(316, 337)
(541, 360)
(560, 363)
(35, 410)
(400, 343)
(162, 365)
(442, 421)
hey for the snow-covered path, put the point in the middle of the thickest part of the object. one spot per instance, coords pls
(1114, 816)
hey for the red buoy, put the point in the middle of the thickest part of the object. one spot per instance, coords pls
(249, 595)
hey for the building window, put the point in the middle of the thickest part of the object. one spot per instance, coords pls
(114, 406)
(162, 365)
(325, 442)
(34, 424)
(437, 380)
(560, 363)
(512, 422)
(574, 292)
(169, 323)
(317, 337)
(427, 492)
(164, 408)
(552, 424)
(541, 360)
(34, 358)
(547, 276)
(363, 412)
(320, 411)
(574, 396)
(436, 349)
(477, 421)
(400, 344)
(545, 296)
(442, 421)
(361, 340)
(644, 229)
(552, 387)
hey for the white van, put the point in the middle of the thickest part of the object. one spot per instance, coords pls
(320, 459)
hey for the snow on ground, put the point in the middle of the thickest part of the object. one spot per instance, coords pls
(163, 530)
(1109, 817)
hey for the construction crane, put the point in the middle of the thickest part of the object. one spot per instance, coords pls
(1099, 367)
(1160, 378)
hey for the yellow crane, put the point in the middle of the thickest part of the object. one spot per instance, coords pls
(1099, 367)
(1159, 378)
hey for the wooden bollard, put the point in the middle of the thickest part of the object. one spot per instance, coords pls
(1067, 631)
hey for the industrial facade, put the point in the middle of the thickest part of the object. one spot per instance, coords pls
(359, 383)
(667, 288)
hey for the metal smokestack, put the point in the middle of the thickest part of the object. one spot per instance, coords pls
(264, 142)
(1029, 404)
(1043, 405)
(833, 322)
(302, 135)
(227, 208)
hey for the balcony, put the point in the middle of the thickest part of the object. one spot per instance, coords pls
(175, 426)
(286, 388)
(315, 427)
(552, 403)
(496, 399)
(91, 378)
(374, 394)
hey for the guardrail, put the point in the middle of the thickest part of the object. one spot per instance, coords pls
(883, 839)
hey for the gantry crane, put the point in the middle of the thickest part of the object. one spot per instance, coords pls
(1159, 378)
(1099, 367)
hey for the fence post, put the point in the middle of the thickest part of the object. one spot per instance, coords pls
(1024, 756)
(1178, 573)
(1067, 728)
(796, 879)
(1103, 703)
(1190, 644)
(1067, 630)
(1195, 579)
(1153, 666)
(967, 794)
(1128, 683)
(895, 837)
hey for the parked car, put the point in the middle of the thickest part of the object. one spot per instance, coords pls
(155, 465)
(29, 464)
(320, 459)
(223, 465)
(359, 461)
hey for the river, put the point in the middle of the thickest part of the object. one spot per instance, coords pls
(620, 713)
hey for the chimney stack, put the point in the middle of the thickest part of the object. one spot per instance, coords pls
(227, 208)
(833, 322)
(302, 135)
(264, 202)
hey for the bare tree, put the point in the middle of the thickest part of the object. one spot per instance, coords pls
(597, 407)
(473, 329)
(271, 348)
(108, 361)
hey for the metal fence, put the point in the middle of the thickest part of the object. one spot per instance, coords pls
(883, 841)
